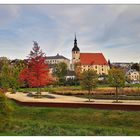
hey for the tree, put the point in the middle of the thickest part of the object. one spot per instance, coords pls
(88, 81)
(5, 76)
(109, 64)
(9, 77)
(60, 71)
(23, 76)
(116, 79)
(136, 66)
(18, 64)
(139, 83)
(14, 79)
(36, 72)
(3, 61)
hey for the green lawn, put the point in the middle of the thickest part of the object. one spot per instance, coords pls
(28, 121)
(70, 88)
(50, 88)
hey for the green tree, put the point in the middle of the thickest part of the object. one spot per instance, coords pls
(3, 60)
(136, 66)
(116, 79)
(139, 84)
(14, 79)
(89, 81)
(18, 64)
(4, 76)
(9, 77)
(109, 63)
(60, 71)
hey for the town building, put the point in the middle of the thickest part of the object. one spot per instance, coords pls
(95, 61)
(132, 76)
(52, 60)
(124, 65)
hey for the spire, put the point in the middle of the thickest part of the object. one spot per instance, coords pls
(75, 41)
(75, 48)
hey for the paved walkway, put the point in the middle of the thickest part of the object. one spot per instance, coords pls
(64, 99)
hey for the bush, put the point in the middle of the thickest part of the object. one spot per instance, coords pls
(5, 107)
(30, 94)
(40, 96)
(72, 82)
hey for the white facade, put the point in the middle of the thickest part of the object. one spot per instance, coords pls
(133, 75)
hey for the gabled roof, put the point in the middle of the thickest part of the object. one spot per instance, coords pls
(57, 57)
(92, 59)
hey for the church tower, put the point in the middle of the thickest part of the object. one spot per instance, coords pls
(75, 53)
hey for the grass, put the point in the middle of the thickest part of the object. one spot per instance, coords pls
(78, 89)
(42, 121)
(50, 88)
(133, 85)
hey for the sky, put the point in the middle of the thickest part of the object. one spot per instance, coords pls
(113, 30)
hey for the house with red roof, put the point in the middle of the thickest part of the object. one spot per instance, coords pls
(95, 61)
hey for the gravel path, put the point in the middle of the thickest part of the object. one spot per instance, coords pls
(64, 99)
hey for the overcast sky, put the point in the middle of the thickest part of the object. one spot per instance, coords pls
(113, 30)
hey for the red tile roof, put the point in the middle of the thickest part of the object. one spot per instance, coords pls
(92, 59)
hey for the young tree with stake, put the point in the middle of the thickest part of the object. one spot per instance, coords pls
(116, 79)
(88, 81)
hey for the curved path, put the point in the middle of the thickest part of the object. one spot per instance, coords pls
(73, 102)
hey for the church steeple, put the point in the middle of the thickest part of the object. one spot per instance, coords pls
(75, 41)
(75, 54)
(75, 48)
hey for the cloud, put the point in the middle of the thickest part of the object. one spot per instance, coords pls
(8, 13)
(99, 28)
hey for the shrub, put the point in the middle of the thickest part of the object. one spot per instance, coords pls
(30, 94)
(5, 106)
(40, 96)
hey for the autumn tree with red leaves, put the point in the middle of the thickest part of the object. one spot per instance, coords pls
(36, 72)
